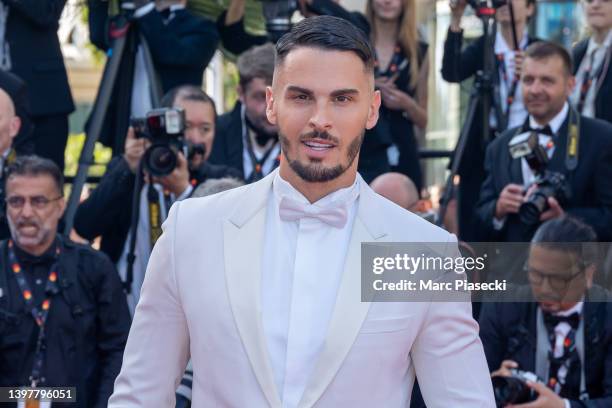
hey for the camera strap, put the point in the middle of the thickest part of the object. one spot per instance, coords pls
(39, 315)
(155, 217)
(573, 138)
(257, 172)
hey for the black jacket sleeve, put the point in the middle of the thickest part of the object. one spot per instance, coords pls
(96, 214)
(458, 65)
(193, 48)
(491, 334)
(235, 38)
(43, 13)
(98, 23)
(485, 208)
(331, 8)
(113, 325)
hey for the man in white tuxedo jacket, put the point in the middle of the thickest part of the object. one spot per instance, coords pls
(261, 285)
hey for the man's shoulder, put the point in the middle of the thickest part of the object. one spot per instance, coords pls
(403, 225)
(86, 252)
(596, 129)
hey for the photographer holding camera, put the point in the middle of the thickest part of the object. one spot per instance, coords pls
(169, 176)
(577, 152)
(507, 108)
(181, 46)
(561, 341)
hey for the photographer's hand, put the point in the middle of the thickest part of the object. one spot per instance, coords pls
(134, 149)
(509, 201)
(504, 369)
(177, 181)
(546, 398)
(457, 9)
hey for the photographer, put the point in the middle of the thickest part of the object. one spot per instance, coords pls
(587, 170)
(113, 198)
(564, 335)
(507, 110)
(245, 139)
(10, 124)
(181, 45)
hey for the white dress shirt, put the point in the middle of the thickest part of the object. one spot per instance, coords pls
(302, 267)
(561, 331)
(518, 113)
(528, 176)
(595, 55)
(142, 250)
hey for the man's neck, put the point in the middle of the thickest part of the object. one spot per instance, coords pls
(506, 32)
(316, 191)
(37, 250)
(599, 35)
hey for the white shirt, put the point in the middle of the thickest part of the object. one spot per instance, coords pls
(259, 152)
(518, 113)
(302, 267)
(528, 176)
(142, 250)
(561, 331)
(595, 54)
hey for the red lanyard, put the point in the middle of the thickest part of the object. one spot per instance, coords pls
(512, 88)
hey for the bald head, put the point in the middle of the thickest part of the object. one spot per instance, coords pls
(9, 123)
(398, 188)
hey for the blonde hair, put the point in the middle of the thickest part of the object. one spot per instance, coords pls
(407, 37)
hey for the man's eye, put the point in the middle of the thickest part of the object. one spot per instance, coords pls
(301, 97)
(343, 98)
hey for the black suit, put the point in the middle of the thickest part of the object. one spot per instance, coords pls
(36, 57)
(457, 66)
(181, 49)
(112, 200)
(591, 182)
(86, 330)
(508, 332)
(228, 146)
(603, 108)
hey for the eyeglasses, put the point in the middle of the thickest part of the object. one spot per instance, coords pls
(37, 202)
(555, 281)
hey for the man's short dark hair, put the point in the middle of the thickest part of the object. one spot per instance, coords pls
(568, 234)
(256, 62)
(326, 33)
(33, 166)
(186, 93)
(545, 49)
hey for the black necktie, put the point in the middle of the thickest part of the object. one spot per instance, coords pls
(165, 13)
(553, 320)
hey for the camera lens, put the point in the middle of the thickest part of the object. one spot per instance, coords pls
(530, 211)
(510, 390)
(160, 160)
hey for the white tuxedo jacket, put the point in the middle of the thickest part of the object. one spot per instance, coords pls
(201, 298)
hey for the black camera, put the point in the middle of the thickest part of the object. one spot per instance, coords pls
(514, 389)
(549, 183)
(165, 129)
(277, 14)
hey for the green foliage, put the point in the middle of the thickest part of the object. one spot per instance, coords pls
(102, 156)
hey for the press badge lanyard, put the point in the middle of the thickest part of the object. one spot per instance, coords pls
(513, 85)
(39, 315)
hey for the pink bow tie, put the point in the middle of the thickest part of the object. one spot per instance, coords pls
(291, 210)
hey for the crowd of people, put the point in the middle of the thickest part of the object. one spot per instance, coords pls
(539, 172)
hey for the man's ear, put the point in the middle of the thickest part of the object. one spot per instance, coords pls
(270, 107)
(14, 126)
(373, 110)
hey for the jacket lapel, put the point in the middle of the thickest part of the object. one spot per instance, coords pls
(349, 311)
(243, 249)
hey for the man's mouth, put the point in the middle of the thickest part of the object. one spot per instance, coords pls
(318, 145)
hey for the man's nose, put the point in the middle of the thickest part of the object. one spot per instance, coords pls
(321, 117)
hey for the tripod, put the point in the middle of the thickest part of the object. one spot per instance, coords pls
(483, 94)
(126, 39)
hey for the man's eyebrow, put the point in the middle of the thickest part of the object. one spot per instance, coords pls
(337, 92)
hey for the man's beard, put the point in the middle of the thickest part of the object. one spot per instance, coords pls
(315, 172)
(262, 136)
